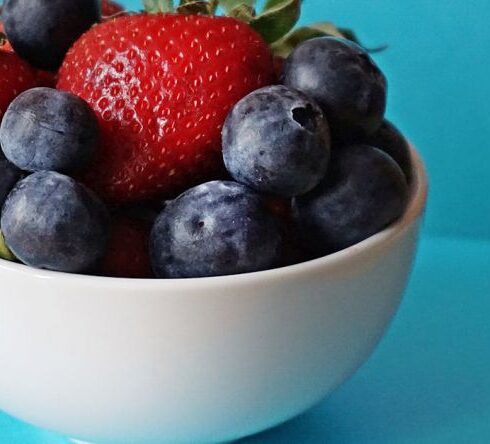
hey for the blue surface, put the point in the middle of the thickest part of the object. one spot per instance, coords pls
(429, 381)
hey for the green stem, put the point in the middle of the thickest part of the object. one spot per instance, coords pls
(156, 6)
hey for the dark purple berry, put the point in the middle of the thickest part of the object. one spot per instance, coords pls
(277, 141)
(42, 31)
(217, 228)
(50, 221)
(45, 129)
(363, 192)
(390, 140)
(344, 81)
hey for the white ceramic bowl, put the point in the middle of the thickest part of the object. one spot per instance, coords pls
(197, 360)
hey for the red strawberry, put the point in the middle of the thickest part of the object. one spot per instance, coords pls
(127, 254)
(162, 86)
(16, 76)
(5, 44)
(109, 8)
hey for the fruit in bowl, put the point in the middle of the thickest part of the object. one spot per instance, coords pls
(242, 170)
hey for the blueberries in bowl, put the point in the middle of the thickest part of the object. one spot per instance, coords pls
(217, 228)
(45, 129)
(50, 221)
(345, 82)
(364, 192)
(277, 141)
(312, 166)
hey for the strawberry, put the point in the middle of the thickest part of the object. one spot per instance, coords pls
(16, 76)
(5, 44)
(127, 254)
(109, 8)
(162, 86)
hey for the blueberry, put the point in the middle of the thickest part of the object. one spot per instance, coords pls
(364, 191)
(217, 228)
(277, 141)
(48, 130)
(50, 221)
(390, 140)
(345, 82)
(9, 175)
(42, 31)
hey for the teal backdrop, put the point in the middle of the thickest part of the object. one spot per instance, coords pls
(429, 381)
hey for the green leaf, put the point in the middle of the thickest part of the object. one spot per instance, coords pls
(194, 7)
(269, 4)
(351, 35)
(213, 6)
(229, 5)
(277, 19)
(5, 252)
(286, 45)
(156, 6)
(243, 12)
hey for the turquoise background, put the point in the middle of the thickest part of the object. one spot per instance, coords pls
(429, 381)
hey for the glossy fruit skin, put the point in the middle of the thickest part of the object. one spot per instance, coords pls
(50, 221)
(389, 139)
(127, 253)
(345, 82)
(49, 130)
(16, 76)
(42, 31)
(161, 86)
(364, 192)
(9, 175)
(276, 140)
(217, 228)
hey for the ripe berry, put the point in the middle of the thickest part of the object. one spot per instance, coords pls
(390, 140)
(161, 86)
(345, 82)
(217, 228)
(42, 31)
(49, 130)
(276, 140)
(50, 221)
(364, 192)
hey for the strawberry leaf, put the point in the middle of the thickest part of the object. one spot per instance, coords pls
(156, 6)
(229, 5)
(286, 45)
(243, 12)
(194, 7)
(213, 6)
(5, 252)
(277, 19)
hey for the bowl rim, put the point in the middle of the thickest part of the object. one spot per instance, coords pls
(414, 210)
